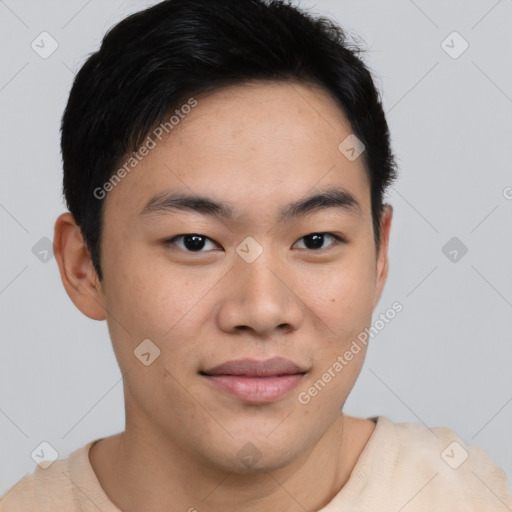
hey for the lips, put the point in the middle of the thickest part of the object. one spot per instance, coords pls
(277, 366)
(253, 381)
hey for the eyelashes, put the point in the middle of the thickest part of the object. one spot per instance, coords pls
(196, 242)
(314, 237)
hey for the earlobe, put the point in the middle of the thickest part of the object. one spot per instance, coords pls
(382, 257)
(76, 269)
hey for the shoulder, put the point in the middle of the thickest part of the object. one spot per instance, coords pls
(45, 489)
(441, 467)
(36, 488)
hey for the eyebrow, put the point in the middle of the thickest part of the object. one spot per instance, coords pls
(167, 202)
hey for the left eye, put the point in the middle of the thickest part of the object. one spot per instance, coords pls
(314, 241)
(194, 242)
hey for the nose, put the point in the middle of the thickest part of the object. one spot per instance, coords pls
(260, 297)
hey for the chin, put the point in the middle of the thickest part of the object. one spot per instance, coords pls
(251, 457)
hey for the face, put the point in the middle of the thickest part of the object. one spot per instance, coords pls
(265, 281)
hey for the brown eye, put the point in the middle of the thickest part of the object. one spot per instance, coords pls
(191, 242)
(315, 241)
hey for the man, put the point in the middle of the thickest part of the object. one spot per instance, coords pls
(224, 169)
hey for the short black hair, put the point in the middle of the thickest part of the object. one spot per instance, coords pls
(155, 60)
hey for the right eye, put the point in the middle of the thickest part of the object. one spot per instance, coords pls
(190, 242)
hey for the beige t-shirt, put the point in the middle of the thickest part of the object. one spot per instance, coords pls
(403, 467)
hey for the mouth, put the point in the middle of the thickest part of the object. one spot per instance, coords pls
(255, 381)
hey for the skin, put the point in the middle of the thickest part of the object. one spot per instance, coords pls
(256, 147)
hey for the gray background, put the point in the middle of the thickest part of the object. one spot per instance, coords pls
(444, 360)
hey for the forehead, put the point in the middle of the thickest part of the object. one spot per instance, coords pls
(249, 145)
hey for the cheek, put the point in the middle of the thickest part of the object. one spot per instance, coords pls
(146, 295)
(330, 383)
(156, 302)
(342, 296)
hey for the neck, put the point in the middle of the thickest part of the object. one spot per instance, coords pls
(130, 463)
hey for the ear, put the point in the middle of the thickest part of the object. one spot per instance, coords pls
(382, 256)
(76, 269)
